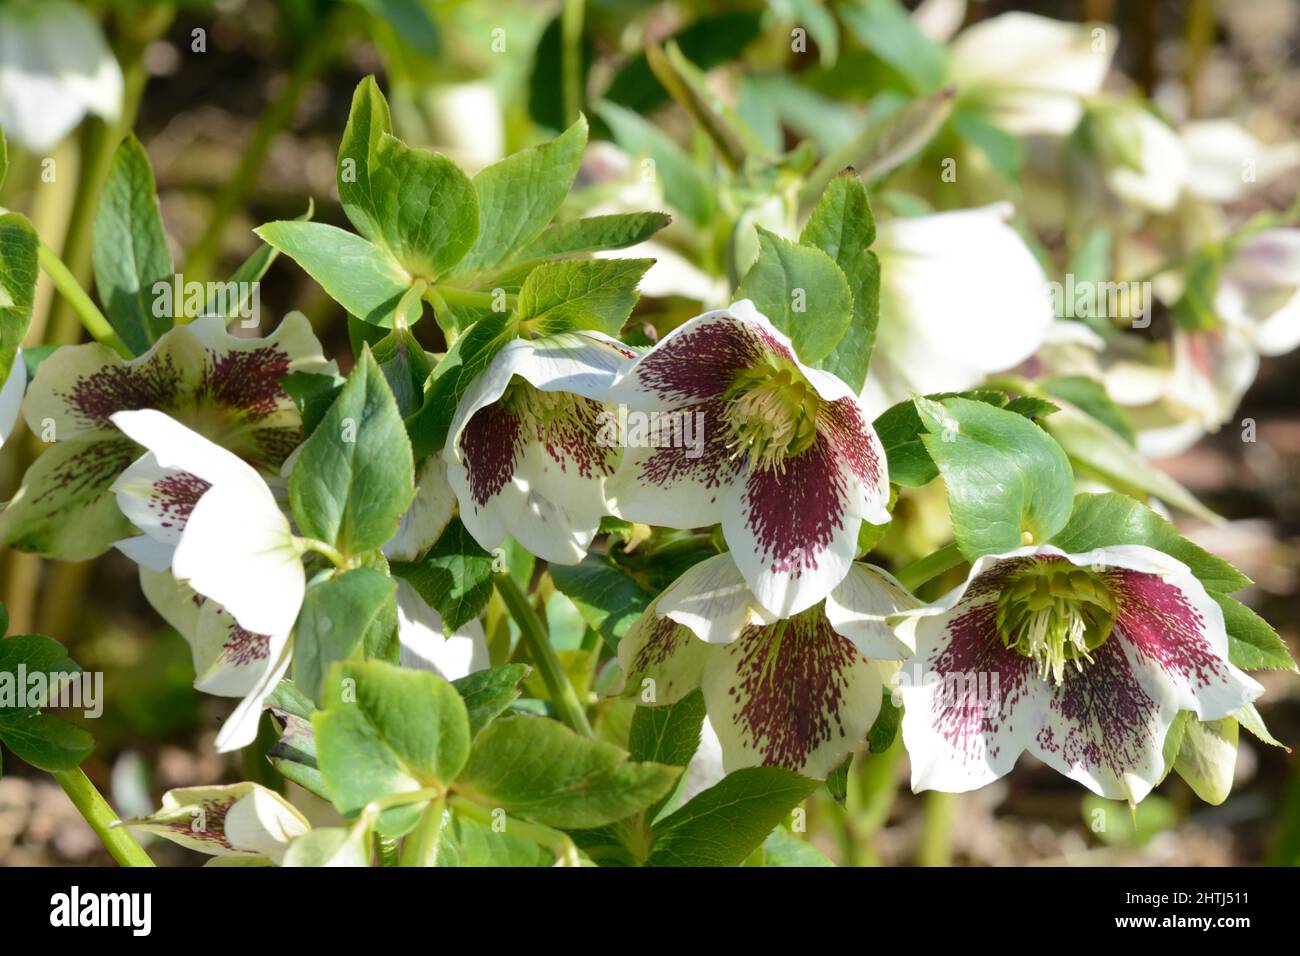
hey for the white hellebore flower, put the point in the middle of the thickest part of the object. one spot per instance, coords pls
(55, 67)
(526, 451)
(800, 692)
(961, 296)
(1030, 73)
(1226, 162)
(239, 820)
(1082, 660)
(782, 454)
(228, 541)
(1144, 162)
(1259, 290)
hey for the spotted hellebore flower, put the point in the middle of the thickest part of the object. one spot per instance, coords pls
(55, 67)
(230, 544)
(526, 454)
(244, 820)
(782, 454)
(1082, 660)
(224, 387)
(799, 692)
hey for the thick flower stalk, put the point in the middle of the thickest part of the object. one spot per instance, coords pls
(798, 692)
(1082, 660)
(785, 455)
(527, 449)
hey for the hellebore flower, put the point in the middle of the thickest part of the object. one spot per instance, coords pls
(55, 67)
(799, 692)
(961, 296)
(526, 453)
(1082, 660)
(1259, 290)
(785, 455)
(425, 646)
(1226, 162)
(224, 387)
(238, 820)
(1144, 163)
(230, 544)
(1030, 73)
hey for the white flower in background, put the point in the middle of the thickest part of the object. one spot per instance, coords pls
(424, 644)
(961, 296)
(939, 19)
(239, 820)
(526, 452)
(785, 457)
(1082, 660)
(1144, 162)
(1259, 290)
(800, 692)
(228, 542)
(1031, 73)
(11, 397)
(55, 67)
(466, 121)
(1225, 162)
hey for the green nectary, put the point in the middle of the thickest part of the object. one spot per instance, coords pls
(772, 412)
(1055, 613)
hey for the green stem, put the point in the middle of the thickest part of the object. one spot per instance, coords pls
(450, 295)
(931, 566)
(557, 682)
(82, 305)
(320, 547)
(566, 853)
(118, 840)
(421, 847)
(315, 57)
(684, 544)
(387, 851)
(936, 831)
(571, 37)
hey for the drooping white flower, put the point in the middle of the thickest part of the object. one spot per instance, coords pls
(1259, 290)
(1030, 73)
(1226, 163)
(55, 67)
(1082, 660)
(784, 456)
(961, 296)
(1144, 162)
(526, 451)
(238, 820)
(799, 692)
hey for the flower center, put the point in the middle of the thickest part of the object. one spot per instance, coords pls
(541, 412)
(1055, 613)
(772, 414)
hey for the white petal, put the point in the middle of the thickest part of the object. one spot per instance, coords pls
(859, 609)
(264, 823)
(1162, 173)
(11, 397)
(713, 600)
(424, 646)
(428, 515)
(240, 728)
(1227, 162)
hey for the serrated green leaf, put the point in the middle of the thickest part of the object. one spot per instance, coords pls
(1252, 642)
(130, 250)
(37, 654)
(609, 600)
(595, 233)
(455, 577)
(802, 291)
(45, 741)
(489, 692)
(354, 476)
(668, 735)
(581, 294)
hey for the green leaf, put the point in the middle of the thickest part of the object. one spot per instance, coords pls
(1252, 642)
(595, 233)
(455, 577)
(1100, 521)
(687, 84)
(1098, 451)
(842, 226)
(130, 250)
(312, 393)
(803, 292)
(1208, 757)
(782, 848)
(609, 600)
(336, 615)
(468, 358)
(725, 823)
(519, 196)
(368, 121)
(581, 294)
(886, 29)
(37, 654)
(684, 186)
(18, 270)
(386, 730)
(1117, 824)
(668, 735)
(469, 843)
(354, 476)
(489, 692)
(331, 846)
(46, 742)
(294, 754)
(356, 274)
(405, 366)
(1248, 717)
(884, 731)
(541, 770)
(1005, 476)
(4, 157)
(1090, 396)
